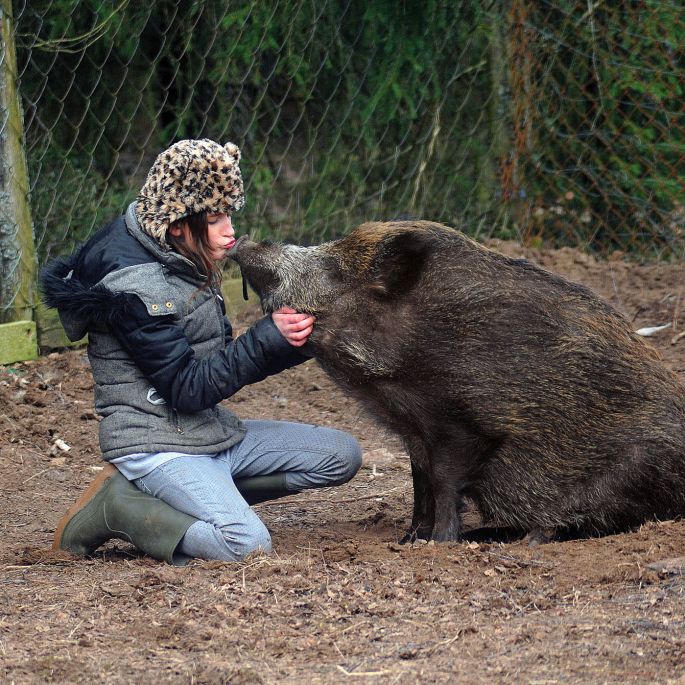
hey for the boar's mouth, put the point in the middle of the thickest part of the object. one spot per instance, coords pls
(265, 298)
(262, 293)
(254, 270)
(246, 295)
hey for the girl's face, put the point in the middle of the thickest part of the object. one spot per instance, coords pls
(220, 235)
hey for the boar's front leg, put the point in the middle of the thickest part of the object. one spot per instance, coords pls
(448, 505)
(424, 506)
(453, 460)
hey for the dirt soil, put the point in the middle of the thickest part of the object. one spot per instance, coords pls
(339, 600)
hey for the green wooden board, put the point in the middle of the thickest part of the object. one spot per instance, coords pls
(51, 335)
(18, 342)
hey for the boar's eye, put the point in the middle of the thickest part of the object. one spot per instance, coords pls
(332, 271)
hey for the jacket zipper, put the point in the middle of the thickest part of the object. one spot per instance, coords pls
(177, 421)
(216, 294)
(217, 297)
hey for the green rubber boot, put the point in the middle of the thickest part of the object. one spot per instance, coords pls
(112, 507)
(258, 489)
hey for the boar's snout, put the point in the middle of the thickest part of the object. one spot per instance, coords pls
(307, 279)
(257, 265)
(242, 246)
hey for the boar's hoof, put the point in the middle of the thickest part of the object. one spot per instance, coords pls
(414, 534)
(447, 528)
(448, 536)
(540, 536)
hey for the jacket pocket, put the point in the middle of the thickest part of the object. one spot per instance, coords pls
(205, 422)
(158, 406)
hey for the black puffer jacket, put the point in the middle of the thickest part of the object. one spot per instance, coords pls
(160, 346)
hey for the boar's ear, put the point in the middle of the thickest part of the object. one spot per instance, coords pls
(399, 262)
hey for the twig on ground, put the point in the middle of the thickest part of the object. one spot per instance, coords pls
(353, 626)
(520, 562)
(347, 500)
(38, 473)
(675, 311)
(678, 337)
(449, 641)
(362, 674)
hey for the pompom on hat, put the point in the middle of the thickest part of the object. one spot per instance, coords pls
(191, 176)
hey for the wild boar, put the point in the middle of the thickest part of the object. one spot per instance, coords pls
(508, 384)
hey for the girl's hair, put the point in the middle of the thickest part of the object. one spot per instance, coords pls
(200, 253)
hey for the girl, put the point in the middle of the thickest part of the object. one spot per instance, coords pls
(181, 469)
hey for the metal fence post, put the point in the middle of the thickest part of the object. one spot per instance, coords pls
(17, 250)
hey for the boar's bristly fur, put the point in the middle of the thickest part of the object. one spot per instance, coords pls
(508, 384)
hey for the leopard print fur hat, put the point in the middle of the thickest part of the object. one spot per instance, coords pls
(189, 177)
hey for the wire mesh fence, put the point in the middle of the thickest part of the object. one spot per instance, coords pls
(558, 122)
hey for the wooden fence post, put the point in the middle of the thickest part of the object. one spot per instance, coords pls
(18, 266)
(493, 160)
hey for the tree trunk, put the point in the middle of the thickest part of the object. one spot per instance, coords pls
(491, 189)
(17, 250)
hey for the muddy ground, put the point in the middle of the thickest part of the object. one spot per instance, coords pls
(339, 601)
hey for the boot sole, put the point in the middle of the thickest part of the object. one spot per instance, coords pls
(107, 472)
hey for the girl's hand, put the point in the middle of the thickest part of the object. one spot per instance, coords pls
(294, 326)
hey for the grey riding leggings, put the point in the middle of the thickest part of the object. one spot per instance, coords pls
(228, 529)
